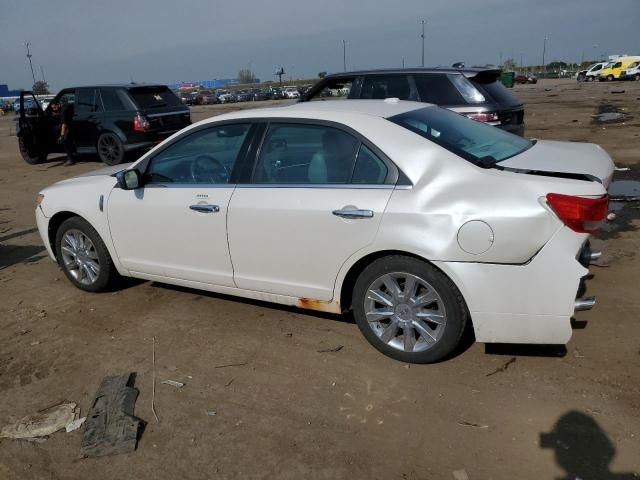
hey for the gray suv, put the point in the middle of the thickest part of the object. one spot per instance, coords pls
(474, 92)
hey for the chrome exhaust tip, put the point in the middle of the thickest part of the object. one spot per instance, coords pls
(585, 303)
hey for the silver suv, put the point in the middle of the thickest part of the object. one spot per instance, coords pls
(474, 92)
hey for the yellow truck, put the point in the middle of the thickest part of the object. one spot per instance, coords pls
(614, 68)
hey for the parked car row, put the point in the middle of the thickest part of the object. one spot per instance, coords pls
(621, 68)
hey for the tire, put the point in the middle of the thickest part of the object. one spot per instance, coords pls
(94, 251)
(610, 78)
(110, 149)
(636, 77)
(581, 78)
(28, 155)
(387, 334)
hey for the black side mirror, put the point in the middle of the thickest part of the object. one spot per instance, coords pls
(129, 179)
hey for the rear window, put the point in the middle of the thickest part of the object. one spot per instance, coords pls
(496, 91)
(449, 89)
(471, 140)
(154, 97)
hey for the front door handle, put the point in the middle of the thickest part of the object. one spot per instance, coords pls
(353, 213)
(205, 208)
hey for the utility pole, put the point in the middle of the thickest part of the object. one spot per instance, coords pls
(344, 55)
(422, 37)
(42, 72)
(28, 44)
(403, 62)
(544, 51)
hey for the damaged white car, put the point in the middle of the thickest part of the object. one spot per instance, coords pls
(416, 218)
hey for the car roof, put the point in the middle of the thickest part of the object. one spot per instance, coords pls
(118, 85)
(467, 72)
(338, 108)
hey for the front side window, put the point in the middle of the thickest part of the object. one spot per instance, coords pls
(203, 157)
(471, 140)
(306, 154)
(388, 86)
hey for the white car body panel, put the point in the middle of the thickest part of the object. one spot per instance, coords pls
(285, 246)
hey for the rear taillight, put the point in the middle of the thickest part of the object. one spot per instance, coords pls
(140, 123)
(483, 117)
(580, 214)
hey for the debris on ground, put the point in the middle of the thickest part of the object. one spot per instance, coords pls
(76, 424)
(460, 475)
(622, 169)
(617, 91)
(229, 382)
(111, 428)
(462, 423)
(42, 423)
(610, 117)
(173, 383)
(502, 368)
(231, 365)
(331, 350)
(210, 413)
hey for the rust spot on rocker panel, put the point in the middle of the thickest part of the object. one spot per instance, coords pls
(320, 305)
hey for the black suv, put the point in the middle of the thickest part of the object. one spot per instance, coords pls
(110, 120)
(474, 92)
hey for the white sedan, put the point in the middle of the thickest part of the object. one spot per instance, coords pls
(417, 219)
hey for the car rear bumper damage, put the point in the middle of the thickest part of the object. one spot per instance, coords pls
(529, 303)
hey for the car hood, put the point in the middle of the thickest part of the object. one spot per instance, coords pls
(106, 171)
(553, 157)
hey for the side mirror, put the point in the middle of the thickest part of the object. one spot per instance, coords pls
(129, 179)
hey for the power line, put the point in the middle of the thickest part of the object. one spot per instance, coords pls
(33, 75)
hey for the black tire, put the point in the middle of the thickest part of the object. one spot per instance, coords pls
(636, 77)
(454, 306)
(581, 78)
(107, 275)
(610, 78)
(110, 149)
(29, 153)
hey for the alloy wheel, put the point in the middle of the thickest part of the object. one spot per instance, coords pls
(405, 312)
(80, 257)
(110, 149)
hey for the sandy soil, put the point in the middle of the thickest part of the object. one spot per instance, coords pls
(289, 411)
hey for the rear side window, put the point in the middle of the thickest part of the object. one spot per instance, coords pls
(446, 89)
(87, 101)
(334, 89)
(154, 97)
(369, 170)
(389, 86)
(111, 100)
(497, 92)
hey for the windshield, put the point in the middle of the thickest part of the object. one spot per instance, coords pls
(471, 140)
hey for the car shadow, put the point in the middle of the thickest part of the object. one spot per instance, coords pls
(582, 448)
(13, 254)
(18, 234)
(525, 350)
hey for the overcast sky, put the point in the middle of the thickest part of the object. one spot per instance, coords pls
(80, 42)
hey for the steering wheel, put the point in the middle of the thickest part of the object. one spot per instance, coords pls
(208, 169)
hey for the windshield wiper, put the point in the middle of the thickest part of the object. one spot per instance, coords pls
(487, 162)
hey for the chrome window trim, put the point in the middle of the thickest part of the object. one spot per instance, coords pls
(331, 186)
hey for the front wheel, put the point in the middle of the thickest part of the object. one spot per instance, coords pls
(610, 78)
(110, 149)
(83, 256)
(30, 154)
(409, 310)
(636, 77)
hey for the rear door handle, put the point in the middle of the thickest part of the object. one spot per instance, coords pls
(205, 208)
(353, 213)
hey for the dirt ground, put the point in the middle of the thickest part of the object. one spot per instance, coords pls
(287, 410)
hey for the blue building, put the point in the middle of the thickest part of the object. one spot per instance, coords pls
(5, 92)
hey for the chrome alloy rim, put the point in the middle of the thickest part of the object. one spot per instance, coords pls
(80, 257)
(405, 312)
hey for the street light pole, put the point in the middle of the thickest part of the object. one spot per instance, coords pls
(28, 44)
(422, 36)
(344, 55)
(544, 50)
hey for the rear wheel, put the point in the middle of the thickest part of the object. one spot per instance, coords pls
(409, 310)
(581, 77)
(610, 78)
(636, 77)
(83, 256)
(110, 149)
(29, 153)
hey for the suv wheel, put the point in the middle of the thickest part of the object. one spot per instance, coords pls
(409, 310)
(28, 154)
(110, 149)
(83, 256)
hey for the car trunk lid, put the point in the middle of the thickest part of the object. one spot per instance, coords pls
(553, 158)
(161, 107)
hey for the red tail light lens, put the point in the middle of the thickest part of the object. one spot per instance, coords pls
(140, 123)
(582, 215)
(483, 117)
